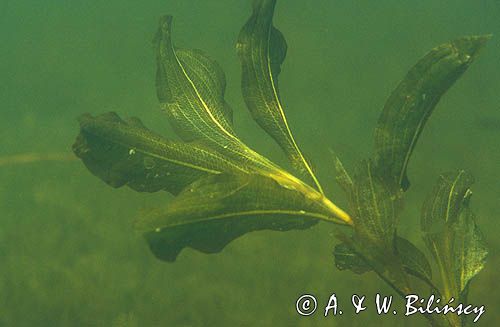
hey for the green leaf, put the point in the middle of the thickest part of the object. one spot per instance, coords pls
(190, 87)
(342, 177)
(413, 260)
(446, 200)
(412, 102)
(451, 234)
(127, 153)
(362, 254)
(374, 208)
(262, 49)
(216, 209)
(347, 259)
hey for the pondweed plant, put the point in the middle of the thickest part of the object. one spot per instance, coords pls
(224, 189)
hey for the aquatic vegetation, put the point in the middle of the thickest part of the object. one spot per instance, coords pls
(224, 189)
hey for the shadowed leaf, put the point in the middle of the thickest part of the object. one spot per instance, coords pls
(127, 153)
(413, 260)
(213, 211)
(383, 261)
(346, 258)
(412, 102)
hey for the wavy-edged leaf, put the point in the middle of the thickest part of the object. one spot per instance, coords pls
(215, 210)
(190, 87)
(412, 102)
(127, 153)
(455, 242)
(262, 49)
(413, 260)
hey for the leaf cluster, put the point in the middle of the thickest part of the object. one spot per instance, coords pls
(225, 189)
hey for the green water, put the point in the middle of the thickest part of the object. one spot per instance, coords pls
(68, 253)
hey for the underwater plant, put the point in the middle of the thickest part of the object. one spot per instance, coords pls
(224, 189)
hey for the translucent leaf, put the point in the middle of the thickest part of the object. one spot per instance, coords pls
(455, 241)
(412, 102)
(412, 259)
(342, 177)
(217, 209)
(262, 49)
(374, 208)
(190, 87)
(446, 200)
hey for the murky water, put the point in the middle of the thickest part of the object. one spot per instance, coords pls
(69, 255)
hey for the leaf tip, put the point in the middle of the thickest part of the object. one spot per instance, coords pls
(469, 46)
(166, 22)
(163, 34)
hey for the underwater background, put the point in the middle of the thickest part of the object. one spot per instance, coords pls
(69, 255)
